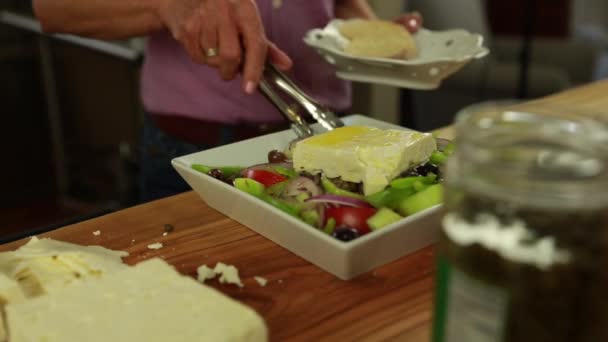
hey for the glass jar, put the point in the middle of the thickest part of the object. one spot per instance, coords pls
(523, 254)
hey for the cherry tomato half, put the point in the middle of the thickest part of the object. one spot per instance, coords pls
(267, 178)
(351, 217)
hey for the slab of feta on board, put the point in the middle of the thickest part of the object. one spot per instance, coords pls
(57, 291)
(363, 154)
(10, 292)
(148, 302)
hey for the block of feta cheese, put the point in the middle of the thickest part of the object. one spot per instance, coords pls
(42, 265)
(148, 302)
(364, 154)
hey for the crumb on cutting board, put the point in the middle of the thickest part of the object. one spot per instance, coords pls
(97, 232)
(262, 281)
(204, 273)
(228, 274)
(156, 245)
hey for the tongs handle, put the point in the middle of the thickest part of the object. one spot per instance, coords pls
(274, 77)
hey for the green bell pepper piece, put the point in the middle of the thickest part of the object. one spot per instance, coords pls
(288, 208)
(390, 198)
(379, 199)
(289, 173)
(396, 196)
(228, 171)
(430, 178)
(438, 158)
(331, 188)
(406, 182)
(330, 226)
(419, 186)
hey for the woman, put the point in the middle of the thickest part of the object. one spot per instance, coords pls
(191, 106)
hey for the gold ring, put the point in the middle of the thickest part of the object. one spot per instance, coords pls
(211, 52)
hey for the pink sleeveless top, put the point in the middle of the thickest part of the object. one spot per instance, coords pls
(174, 85)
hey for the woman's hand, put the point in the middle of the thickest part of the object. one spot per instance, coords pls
(412, 21)
(227, 34)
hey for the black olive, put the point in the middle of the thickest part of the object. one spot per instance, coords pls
(217, 174)
(345, 234)
(275, 156)
(427, 168)
(410, 173)
(169, 228)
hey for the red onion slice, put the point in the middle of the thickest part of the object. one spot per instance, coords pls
(267, 166)
(442, 143)
(339, 200)
(302, 184)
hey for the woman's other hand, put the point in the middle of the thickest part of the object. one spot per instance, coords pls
(226, 34)
(412, 21)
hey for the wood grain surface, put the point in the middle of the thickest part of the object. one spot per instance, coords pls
(300, 302)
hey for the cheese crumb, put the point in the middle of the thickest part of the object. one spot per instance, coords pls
(203, 273)
(157, 245)
(97, 233)
(261, 281)
(165, 234)
(229, 274)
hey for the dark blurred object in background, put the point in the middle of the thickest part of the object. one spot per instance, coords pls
(552, 19)
(553, 59)
(71, 117)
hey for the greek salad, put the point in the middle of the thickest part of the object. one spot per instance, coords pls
(336, 207)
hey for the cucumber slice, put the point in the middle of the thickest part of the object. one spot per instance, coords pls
(383, 218)
(419, 201)
(250, 186)
(311, 217)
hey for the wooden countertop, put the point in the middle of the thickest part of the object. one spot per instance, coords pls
(300, 302)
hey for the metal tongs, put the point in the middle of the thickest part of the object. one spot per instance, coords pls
(273, 81)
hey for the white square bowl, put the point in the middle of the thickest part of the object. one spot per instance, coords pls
(343, 259)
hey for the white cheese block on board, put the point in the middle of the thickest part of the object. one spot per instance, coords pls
(364, 154)
(149, 302)
(10, 292)
(3, 332)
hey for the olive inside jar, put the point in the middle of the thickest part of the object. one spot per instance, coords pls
(523, 254)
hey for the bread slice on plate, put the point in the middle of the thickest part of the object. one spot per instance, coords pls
(378, 39)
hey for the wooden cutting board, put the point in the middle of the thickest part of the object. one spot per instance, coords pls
(301, 302)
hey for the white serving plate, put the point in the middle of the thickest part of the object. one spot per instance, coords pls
(441, 53)
(343, 259)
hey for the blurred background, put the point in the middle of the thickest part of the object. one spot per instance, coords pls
(72, 112)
